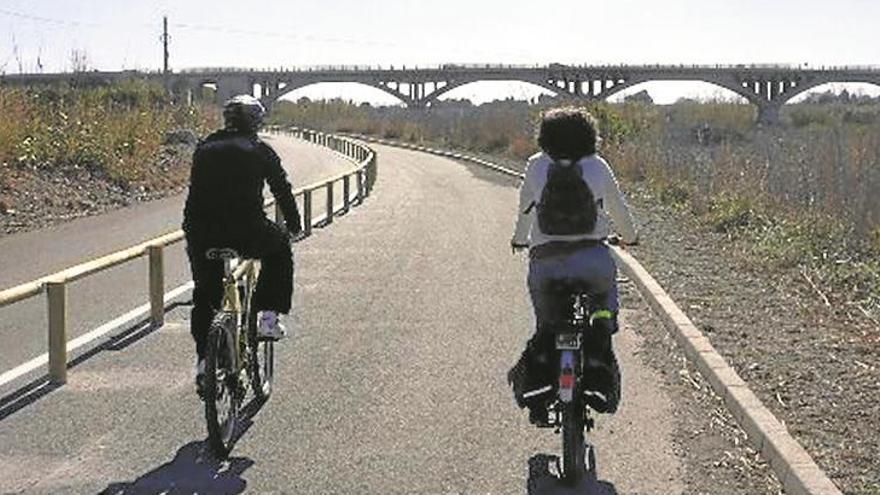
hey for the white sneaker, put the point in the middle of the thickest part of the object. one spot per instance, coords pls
(269, 327)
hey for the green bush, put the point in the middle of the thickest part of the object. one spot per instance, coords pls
(729, 213)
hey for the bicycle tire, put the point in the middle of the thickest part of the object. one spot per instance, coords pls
(591, 461)
(261, 357)
(573, 448)
(221, 407)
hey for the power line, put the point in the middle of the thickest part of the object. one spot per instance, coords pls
(229, 30)
(275, 34)
(37, 18)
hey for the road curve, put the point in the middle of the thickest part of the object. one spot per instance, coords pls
(409, 310)
(96, 299)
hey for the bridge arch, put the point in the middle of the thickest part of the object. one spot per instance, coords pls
(665, 91)
(805, 88)
(435, 95)
(733, 88)
(287, 87)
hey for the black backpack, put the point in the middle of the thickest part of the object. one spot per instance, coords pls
(567, 205)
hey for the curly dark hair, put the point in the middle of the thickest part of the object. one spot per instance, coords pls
(567, 133)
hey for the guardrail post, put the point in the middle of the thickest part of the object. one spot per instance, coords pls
(372, 169)
(57, 297)
(307, 211)
(346, 193)
(360, 186)
(329, 202)
(157, 285)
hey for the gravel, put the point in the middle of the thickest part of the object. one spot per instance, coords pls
(39, 197)
(816, 369)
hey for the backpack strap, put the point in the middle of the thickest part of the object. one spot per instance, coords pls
(533, 204)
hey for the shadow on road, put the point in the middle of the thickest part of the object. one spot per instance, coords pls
(42, 386)
(194, 468)
(543, 481)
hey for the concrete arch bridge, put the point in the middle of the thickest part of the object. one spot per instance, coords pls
(768, 87)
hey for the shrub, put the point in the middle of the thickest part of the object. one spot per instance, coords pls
(115, 130)
(730, 213)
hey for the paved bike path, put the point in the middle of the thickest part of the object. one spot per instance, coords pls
(102, 297)
(409, 311)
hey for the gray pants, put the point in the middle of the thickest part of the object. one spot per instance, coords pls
(592, 266)
(591, 269)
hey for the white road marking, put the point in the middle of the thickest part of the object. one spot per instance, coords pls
(102, 330)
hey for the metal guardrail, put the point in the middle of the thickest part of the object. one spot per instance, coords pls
(55, 285)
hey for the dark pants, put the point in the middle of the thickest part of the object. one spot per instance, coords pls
(274, 290)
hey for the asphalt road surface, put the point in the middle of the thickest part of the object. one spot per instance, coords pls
(408, 312)
(96, 299)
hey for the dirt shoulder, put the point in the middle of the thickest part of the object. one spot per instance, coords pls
(32, 198)
(817, 373)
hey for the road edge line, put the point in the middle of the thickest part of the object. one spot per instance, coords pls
(143, 310)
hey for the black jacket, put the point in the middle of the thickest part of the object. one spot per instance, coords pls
(225, 197)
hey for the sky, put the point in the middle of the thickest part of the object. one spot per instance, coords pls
(124, 34)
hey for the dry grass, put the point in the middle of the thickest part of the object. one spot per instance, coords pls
(117, 130)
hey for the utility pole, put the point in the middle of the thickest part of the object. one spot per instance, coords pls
(165, 39)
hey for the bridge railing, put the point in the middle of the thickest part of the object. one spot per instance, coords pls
(552, 66)
(356, 185)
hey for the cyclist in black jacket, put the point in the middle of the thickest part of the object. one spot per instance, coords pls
(224, 208)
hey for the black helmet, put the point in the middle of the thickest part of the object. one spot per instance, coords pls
(243, 113)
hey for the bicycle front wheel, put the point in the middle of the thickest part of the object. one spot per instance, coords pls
(261, 353)
(221, 408)
(573, 447)
(262, 360)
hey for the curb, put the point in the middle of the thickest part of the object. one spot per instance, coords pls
(797, 471)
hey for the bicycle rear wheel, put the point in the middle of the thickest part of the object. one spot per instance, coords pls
(261, 362)
(221, 407)
(573, 447)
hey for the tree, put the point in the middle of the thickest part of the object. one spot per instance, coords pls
(79, 60)
(641, 97)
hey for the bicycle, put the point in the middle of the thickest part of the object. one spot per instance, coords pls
(569, 412)
(234, 357)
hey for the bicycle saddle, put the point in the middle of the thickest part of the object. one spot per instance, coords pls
(221, 254)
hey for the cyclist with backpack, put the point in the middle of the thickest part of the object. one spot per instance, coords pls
(566, 201)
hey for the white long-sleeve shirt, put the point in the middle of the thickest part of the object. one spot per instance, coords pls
(606, 192)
